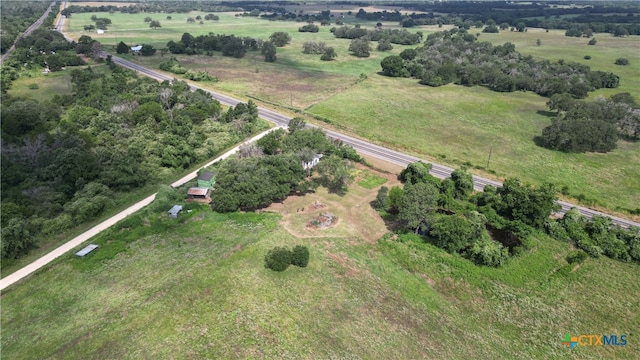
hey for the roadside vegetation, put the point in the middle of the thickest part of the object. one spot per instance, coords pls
(64, 160)
(16, 17)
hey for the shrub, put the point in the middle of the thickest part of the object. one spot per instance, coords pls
(487, 252)
(622, 61)
(278, 259)
(381, 203)
(587, 57)
(576, 257)
(300, 256)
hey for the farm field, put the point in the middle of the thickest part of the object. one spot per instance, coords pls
(452, 124)
(195, 287)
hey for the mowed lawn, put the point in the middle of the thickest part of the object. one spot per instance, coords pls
(195, 287)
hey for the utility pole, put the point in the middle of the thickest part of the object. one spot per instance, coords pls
(489, 159)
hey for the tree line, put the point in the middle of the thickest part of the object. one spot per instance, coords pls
(16, 17)
(64, 160)
(168, 7)
(229, 45)
(595, 126)
(271, 169)
(394, 36)
(617, 19)
(492, 226)
(455, 56)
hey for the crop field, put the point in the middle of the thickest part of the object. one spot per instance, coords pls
(196, 287)
(488, 131)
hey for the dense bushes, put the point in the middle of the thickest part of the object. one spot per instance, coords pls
(279, 258)
(486, 228)
(455, 56)
(309, 28)
(173, 66)
(590, 126)
(64, 165)
(229, 45)
(394, 36)
(300, 256)
(498, 222)
(598, 236)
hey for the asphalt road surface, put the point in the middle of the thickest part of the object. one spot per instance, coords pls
(29, 30)
(367, 148)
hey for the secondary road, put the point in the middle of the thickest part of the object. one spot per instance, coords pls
(71, 244)
(29, 30)
(367, 148)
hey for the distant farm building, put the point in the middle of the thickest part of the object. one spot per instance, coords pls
(206, 180)
(175, 210)
(136, 48)
(199, 194)
(100, 31)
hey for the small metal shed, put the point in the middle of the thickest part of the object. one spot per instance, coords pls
(175, 210)
(89, 248)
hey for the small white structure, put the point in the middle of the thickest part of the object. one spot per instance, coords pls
(100, 31)
(175, 210)
(86, 250)
(136, 48)
(313, 163)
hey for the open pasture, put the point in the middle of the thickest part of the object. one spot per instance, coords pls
(490, 131)
(196, 287)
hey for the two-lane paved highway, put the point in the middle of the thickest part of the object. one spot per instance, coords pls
(367, 148)
(29, 30)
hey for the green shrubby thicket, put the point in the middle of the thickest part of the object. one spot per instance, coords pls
(64, 160)
(491, 226)
(272, 168)
(279, 258)
(456, 56)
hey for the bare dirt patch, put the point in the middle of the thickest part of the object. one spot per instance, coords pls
(357, 220)
(323, 221)
(285, 86)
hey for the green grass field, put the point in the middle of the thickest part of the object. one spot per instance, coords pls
(33, 84)
(195, 287)
(452, 124)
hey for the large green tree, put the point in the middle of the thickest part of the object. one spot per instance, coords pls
(360, 47)
(122, 48)
(394, 66)
(418, 203)
(463, 183)
(335, 173)
(269, 51)
(280, 38)
(531, 206)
